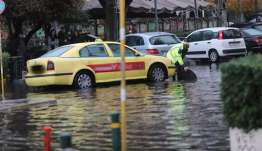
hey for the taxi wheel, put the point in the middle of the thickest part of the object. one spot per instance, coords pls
(83, 80)
(157, 73)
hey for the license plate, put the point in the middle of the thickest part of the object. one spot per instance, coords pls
(234, 43)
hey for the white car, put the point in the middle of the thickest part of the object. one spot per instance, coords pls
(154, 43)
(214, 43)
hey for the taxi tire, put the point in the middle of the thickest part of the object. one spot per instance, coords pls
(158, 67)
(83, 74)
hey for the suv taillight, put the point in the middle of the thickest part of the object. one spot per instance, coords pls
(152, 52)
(258, 41)
(220, 35)
(50, 65)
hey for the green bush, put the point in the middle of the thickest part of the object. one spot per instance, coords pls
(241, 91)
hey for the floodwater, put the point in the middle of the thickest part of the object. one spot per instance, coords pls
(168, 116)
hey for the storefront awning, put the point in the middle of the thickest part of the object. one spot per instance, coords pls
(149, 4)
(146, 7)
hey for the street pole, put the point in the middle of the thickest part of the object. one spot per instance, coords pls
(123, 76)
(2, 71)
(196, 14)
(218, 12)
(156, 16)
(240, 11)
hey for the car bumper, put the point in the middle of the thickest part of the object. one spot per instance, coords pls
(234, 52)
(255, 49)
(49, 79)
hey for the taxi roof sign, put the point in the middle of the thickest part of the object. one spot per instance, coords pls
(2, 6)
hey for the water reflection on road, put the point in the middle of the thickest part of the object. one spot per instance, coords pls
(162, 116)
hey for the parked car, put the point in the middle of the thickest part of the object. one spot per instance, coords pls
(253, 39)
(257, 26)
(85, 64)
(155, 43)
(213, 43)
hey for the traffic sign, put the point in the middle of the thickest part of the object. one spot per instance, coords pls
(2, 6)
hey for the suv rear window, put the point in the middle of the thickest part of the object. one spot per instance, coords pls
(231, 34)
(134, 41)
(164, 39)
(252, 32)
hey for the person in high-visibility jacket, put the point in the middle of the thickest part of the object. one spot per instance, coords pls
(177, 54)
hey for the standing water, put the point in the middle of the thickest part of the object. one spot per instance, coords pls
(168, 116)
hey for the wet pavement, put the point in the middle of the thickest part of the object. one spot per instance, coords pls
(168, 116)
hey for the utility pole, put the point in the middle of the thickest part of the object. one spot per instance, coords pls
(116, 18)
(219, 12)
(196, 14)
(256, 6)
(241, 17)
(156, 16)
(122, 36)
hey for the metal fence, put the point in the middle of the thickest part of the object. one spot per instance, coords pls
(15, 67)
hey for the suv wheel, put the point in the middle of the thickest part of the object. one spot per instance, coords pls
(213, 56)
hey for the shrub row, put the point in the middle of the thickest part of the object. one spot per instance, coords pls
(241, 91)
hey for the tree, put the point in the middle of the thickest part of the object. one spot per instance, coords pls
(111, 17)
(241, 8)
(241, 5)
(34, 13)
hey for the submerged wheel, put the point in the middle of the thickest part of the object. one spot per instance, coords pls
(157, 73)
(213, 56)
(83, 80)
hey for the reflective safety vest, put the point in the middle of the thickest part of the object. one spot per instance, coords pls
(174, 55)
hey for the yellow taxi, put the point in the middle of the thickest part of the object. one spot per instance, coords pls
(85, 64)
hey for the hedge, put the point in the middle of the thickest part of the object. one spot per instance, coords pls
(241, 91)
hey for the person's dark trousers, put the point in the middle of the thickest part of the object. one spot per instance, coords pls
(179, 70)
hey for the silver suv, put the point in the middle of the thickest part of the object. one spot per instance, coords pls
(154, 43)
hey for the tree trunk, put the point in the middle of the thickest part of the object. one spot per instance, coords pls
(111, 18)
(109, 21)
(31, 33)
(12, 44)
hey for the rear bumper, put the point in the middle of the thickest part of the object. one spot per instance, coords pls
(49, 79)
(255, 49)
(232, 52)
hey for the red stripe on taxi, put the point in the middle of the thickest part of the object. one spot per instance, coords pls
(114, 67)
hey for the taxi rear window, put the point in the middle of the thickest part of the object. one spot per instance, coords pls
(57, 52)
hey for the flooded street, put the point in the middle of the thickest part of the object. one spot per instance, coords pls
(168, 116)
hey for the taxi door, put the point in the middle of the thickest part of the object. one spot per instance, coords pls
(135, 64)
(100, 60)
